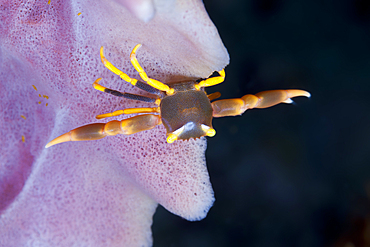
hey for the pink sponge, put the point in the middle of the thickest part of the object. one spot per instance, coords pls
(105, 192)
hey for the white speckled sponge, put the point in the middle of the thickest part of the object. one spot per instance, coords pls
(105, 192)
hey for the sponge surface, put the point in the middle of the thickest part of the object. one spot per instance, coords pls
(97, 193)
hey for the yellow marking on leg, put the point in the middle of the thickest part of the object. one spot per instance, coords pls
(154, 83)
(128, 111)
(160, 86)
(211, 81)
(158, 101)
(136, 64)
(141, 110)
(112, 68)
(97, 86)
(110, 114)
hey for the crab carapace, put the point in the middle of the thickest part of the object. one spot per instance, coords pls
(184, 108)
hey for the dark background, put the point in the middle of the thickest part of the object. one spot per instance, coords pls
(290, 175)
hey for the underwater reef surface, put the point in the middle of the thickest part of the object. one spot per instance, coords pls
(105, 192)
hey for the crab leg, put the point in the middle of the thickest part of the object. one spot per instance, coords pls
(99, 87)
(211, 81)
(112, 68)
(233, 107)
(154, 83)
(214, 96)
(129, 111)
(100, 130)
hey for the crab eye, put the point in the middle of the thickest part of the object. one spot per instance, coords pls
(208, 130)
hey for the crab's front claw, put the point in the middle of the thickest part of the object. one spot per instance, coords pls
(97, 131)
(274, 97)
(233, 107)
(84, 133)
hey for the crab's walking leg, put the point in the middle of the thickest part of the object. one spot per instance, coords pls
(214, 96)
(129, 111)
(154, 83)
(233, 107)
(112, 68)
(100, 130)
(99, 87)
(211, 81)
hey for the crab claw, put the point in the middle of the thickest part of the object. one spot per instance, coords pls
(233, 107)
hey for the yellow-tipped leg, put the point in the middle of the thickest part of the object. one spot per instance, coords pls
(211, 81)
(110, 114)
(97, 86)
(233, 107)
(154, 83)
(112, 68)
(136, 64)
(141, 110)
(100, 130)
(128, 111)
